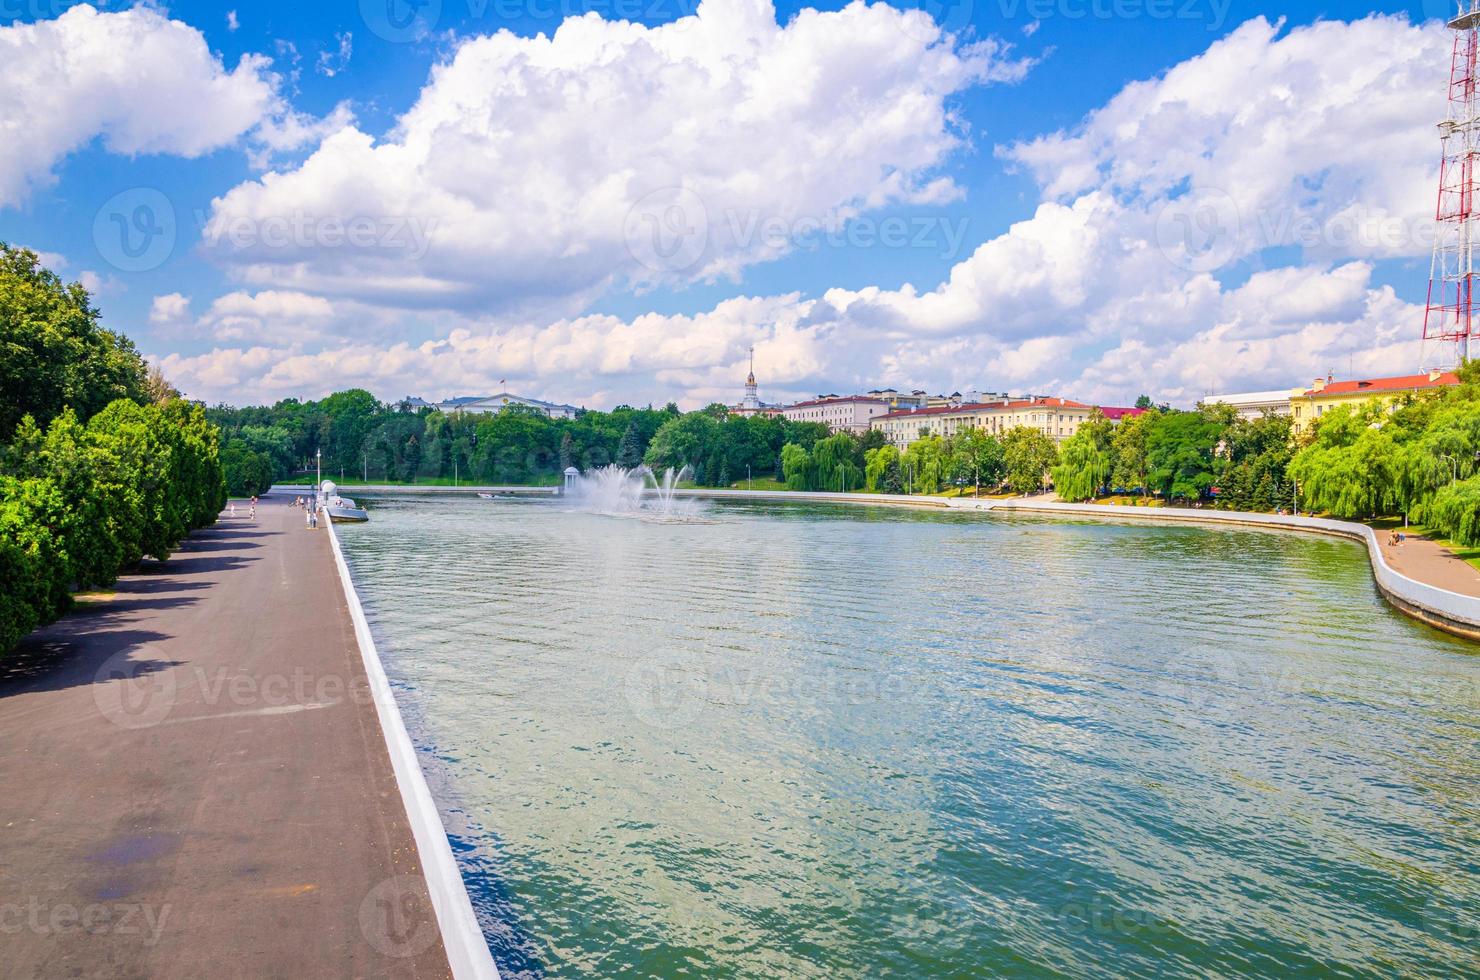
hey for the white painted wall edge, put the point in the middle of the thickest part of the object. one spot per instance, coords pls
(462, 937)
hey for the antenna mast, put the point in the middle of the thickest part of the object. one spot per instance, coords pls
(1450, 309)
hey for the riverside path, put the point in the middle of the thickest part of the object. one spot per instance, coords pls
(193, 779)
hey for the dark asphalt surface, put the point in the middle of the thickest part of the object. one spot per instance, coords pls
(193, 781)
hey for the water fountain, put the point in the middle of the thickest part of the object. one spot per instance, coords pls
(638, 492)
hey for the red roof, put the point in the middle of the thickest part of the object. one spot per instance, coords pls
(1116, 414)
(1406, 382)
(840, 400)
(988, 406)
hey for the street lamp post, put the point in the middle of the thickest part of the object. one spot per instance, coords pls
(318, 464)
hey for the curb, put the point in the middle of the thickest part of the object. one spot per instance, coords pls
(462, 937)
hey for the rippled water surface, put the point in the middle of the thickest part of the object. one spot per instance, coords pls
(807, 741)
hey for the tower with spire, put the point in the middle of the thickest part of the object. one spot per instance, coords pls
(752, 400)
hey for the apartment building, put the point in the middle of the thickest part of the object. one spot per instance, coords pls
(851, 413)
(1057, 418)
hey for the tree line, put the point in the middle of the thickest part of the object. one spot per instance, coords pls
(1418, 458)
(1208, 456)
(362, 437)
(102, 464)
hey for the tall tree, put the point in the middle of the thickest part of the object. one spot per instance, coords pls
(1130, 469)
(54, 354)
(1028, 456)
(629, 450)
(981, 457)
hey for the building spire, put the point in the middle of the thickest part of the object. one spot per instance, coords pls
(750, 378)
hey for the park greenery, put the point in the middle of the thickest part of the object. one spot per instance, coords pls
(1419, 459)
(102, 462)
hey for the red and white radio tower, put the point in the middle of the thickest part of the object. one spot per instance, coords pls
(1449, 315)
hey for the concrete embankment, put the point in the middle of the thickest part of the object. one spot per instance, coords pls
(198, 782)
(1448, 610)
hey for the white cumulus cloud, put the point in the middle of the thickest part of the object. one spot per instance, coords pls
(550, 168)
(1115, 284)
(137, 80)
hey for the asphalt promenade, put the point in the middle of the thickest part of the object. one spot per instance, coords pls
(194, 783)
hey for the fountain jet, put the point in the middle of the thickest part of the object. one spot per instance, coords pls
(638, 491)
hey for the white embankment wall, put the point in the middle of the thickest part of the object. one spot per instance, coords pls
(462, 938)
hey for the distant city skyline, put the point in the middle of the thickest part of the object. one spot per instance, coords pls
(294, 202)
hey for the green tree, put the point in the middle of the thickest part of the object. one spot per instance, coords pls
(796, 465)
(1180, 448)
(925, 463)
(1256, 454)
(1131, 468)
(54, 354)
(1355, 466)
(33, 563)
(629, 451)
(1028, 456)
(833, 463)
(877, 465)
(247, 472)
(981, 456)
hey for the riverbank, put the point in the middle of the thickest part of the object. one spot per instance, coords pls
(197, 779)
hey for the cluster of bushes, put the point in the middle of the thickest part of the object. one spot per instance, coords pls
(102, 469)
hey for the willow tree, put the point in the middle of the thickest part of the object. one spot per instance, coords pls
(876, 466)
(1084, 467)
(925, 462)
(1355, 466)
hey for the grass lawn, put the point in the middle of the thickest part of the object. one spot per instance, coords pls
(759, 483)
(1131, 500)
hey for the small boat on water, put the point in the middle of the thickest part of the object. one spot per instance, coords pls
(340, 509)
(485, 496)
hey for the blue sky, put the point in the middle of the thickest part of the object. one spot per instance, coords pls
(962, 253)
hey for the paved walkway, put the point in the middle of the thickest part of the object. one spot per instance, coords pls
(193, 780)
(1426, 561)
